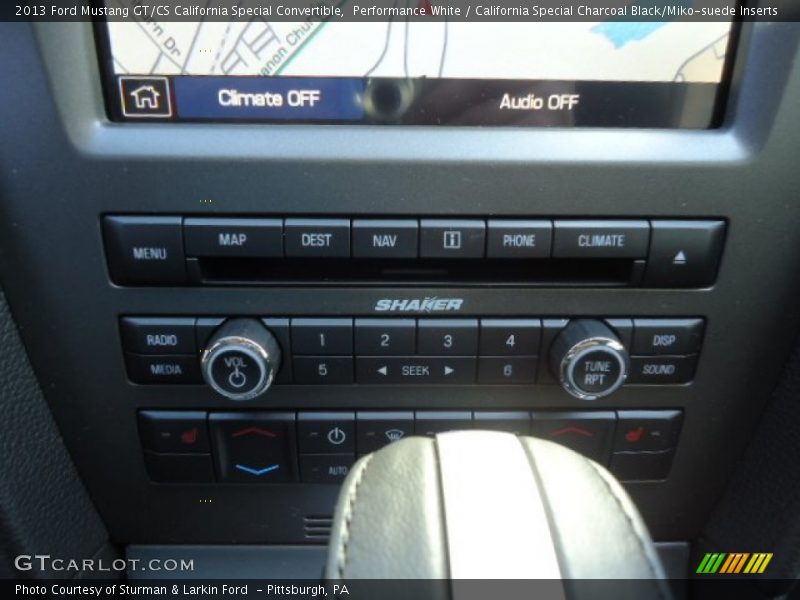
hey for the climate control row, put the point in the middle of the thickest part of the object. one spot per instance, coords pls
(320, 447)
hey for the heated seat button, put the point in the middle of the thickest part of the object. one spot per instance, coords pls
(452, 239)
(508, 370)
(253, 447)
(322, 336)
(588, 433)
(667, 336)
(600, 239)
(647, 430)
(174, 432)
(317, 238)
(385, 238)
(176, 369)
(431, 422)
(323, 370)
(247, 238)
(155, 335)
(684, 254)
(662, 370)
(325, 468)
(386, 336)
(416, 370)
(447, 336)
(500, 337)
(145, 250)
(519, 239)
(377, 429)
(326, 433)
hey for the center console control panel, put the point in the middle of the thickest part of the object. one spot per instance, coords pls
(241, 357)
(320, 447)
(187, 250)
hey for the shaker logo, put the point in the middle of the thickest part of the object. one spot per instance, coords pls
(429, 304)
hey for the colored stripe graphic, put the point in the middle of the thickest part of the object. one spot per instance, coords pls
(734, 563)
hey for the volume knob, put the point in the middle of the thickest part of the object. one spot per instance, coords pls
(241, 359)
(589, 360)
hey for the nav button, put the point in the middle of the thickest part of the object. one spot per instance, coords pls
(385, 239)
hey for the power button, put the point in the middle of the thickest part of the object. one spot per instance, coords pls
(326, 432)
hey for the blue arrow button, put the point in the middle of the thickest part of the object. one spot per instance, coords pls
(257, 472)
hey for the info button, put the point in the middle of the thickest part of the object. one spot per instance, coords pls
(601, 239)
(317, 238)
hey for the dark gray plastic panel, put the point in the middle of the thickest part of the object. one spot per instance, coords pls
(62, 165)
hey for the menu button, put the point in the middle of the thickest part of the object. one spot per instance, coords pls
(144, 250)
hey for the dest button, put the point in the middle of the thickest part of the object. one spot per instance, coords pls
(329, 238)
(326, 432)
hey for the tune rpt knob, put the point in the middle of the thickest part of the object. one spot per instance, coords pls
(241, 359)
(589, 360)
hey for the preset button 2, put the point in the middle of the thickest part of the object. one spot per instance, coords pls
(386, 336)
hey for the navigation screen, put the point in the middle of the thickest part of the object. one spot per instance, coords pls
(407, 71)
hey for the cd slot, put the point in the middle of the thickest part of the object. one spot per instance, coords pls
(415, 272)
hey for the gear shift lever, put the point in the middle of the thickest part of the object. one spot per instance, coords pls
(488, 505)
